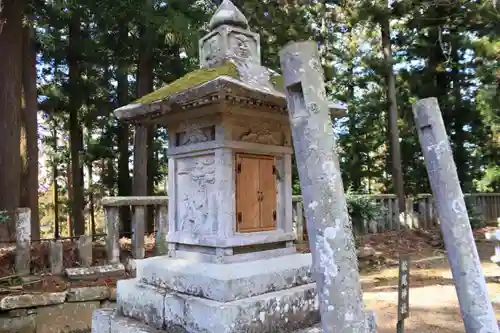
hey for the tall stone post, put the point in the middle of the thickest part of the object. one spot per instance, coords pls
(475, 305)
(23, 241)
(330, 229)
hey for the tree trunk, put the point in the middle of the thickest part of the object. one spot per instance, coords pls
(395, 149)
(91, 199)
(69, 195)
(143, 135)
(29, 139)
(75, 130)
(459, 150)
(124, 180)
(10, 110)
(55, 187)
(110, 181)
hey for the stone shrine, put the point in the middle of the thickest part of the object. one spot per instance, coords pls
(232, 264)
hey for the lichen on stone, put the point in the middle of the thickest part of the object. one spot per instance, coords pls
(190, 80)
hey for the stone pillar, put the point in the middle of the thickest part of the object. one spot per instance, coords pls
(84, 246)
(475, 305)
(112, 234)
(56, 257)
(138, 226)
(23, 241)
(330, 229)
(161, 220)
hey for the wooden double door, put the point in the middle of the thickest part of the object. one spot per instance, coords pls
(256, 193)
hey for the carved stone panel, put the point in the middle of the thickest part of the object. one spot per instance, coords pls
(242, 46)
(229, 42)
(259, 132)
(194, 134)
(191, 132)
(196, 195)
(211, 49)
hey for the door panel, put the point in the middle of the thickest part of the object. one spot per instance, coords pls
(247, 193)
(268, 193)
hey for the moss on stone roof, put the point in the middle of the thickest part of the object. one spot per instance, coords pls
(191, 80)
(278, 82)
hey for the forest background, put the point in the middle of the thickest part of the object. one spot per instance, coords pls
(65, 65)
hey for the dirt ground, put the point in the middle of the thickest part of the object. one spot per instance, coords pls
(433, 301)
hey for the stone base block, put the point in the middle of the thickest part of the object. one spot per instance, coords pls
(101, 320)
(142, 302)
(371, 325)
(121, 324)
(226, 282)
(280, 311)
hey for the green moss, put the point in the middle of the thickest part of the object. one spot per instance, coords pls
(278, 82)
(191, 80)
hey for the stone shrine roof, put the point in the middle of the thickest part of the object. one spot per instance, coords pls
(231, 70)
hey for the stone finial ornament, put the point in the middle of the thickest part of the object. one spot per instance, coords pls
(229, 38)
(228, 14)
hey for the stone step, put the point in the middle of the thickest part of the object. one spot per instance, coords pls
(226, 282)
(371, 325)
(284, 310)
(109, 321)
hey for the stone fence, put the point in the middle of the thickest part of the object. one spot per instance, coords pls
(420, 210)
(421, 213)
(138, 204)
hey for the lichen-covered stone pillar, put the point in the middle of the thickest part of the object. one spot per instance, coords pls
(23, 241)
(161, 220)
(328, 223)
(112, 234)
(475, 305)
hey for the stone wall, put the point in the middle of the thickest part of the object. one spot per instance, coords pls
(68, 311)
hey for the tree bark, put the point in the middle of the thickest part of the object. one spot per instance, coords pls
(143, 135)
(91, 198)
(459, 151)
(10, 111)
(124, 180)
(69, 196)
(55, 186)
(75, 130)
(29, 138)
(395, 149)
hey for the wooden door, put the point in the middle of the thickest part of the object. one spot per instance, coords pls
(255, 193)
(247, 193)
(268, 191)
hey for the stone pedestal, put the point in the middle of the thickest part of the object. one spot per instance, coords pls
(268, 295)
(179, 296)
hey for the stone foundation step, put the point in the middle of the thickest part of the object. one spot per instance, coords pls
(371, 325)
(109, 321)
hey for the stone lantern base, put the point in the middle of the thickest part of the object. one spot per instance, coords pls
(180, 296)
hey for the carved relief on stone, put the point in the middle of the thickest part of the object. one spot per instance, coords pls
(241, 46)
(196, 195)
(191, 133)
(211, 49)
(262, 136)
(263, 133)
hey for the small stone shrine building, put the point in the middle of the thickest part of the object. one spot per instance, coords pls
(232, 265)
